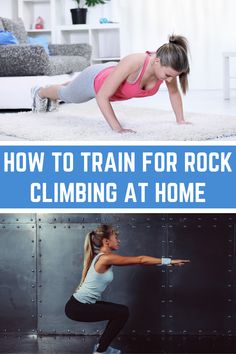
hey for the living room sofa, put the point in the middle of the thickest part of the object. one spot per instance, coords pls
(24, 65)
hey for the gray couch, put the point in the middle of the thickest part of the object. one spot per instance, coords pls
(32, 60)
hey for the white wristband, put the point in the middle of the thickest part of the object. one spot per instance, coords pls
(166, 261)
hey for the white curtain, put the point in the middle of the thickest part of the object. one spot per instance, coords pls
(209, 25)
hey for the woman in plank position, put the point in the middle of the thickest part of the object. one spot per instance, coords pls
(85, 304)
(136, 75)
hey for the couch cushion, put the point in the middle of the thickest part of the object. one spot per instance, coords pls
(16, 27)
(66, 64)
(23, 60)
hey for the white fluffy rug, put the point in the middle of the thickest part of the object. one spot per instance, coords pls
(85, 122)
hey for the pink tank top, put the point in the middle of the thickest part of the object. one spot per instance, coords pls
(127, 90)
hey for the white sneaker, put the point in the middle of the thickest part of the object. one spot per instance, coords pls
(39, 104)
(52, 105)
(111, 350)
(95, 350)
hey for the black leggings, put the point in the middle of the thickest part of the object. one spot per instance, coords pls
(117, 315)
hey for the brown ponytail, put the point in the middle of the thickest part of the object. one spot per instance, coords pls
(88, 255)
(175, 55)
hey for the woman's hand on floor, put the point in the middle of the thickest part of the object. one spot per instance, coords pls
(183, 122)
(123, 131)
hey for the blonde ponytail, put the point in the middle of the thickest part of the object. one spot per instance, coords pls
(92, 244)
(88, 255)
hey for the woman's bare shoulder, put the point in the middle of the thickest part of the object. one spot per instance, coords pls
(135, 59)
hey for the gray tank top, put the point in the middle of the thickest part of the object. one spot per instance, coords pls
(94, 284)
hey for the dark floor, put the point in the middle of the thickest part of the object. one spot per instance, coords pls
(84, 344)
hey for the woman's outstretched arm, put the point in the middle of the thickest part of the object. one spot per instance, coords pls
(113, 259)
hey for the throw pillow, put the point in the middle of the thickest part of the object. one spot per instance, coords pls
(16, 27)
(7, 38)
(39, 40)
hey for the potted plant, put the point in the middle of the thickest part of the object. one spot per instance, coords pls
(79, 14)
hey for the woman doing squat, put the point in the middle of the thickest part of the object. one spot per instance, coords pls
(85, 304)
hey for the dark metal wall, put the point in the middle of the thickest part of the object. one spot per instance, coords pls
(41, 261)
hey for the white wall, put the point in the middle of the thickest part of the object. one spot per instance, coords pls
(8, 8)
(209, 25)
